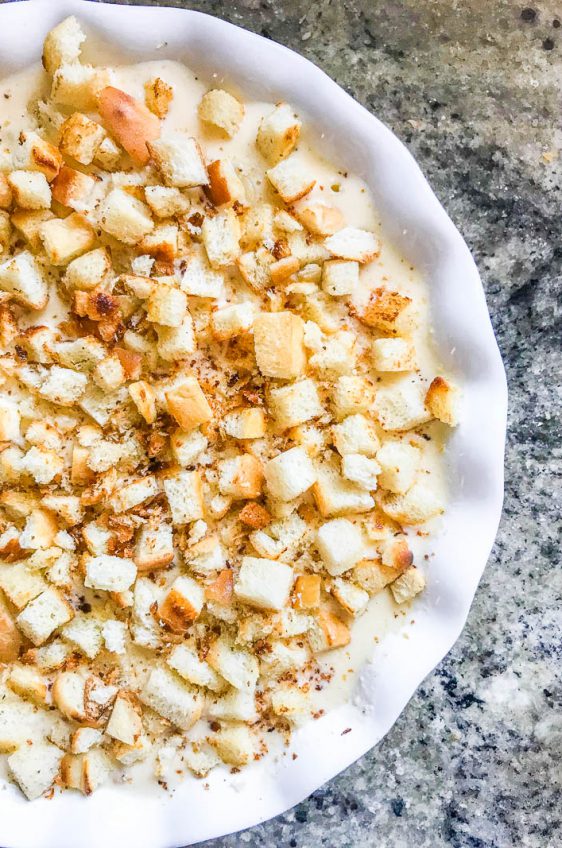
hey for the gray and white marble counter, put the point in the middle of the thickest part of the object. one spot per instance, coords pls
(473, 87)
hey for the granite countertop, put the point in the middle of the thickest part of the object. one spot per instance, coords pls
(473, 88)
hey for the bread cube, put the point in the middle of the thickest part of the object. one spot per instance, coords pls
(373, 576)
(340, 544)
(336, 496)
(232, 321)
(221, 237)
(278, 133)
(225, 186)
(161, 243)
(386, 311)
(295, 403)
(199, 279)
(442, 401)
(401, 405)
(319, 219)
(361, 470)
(186, 447)
(185, 496)
(39, 531)
(125, 217)
(108, 155)
(62, 45)
(289, 702)
(176, 343)
(179, 159)
(110, 573)
(129, 121)
(182, 605)
(42, 464)
(188, 405)
(82, 354)
(255, 268)
(21, 277)
(394, 354)
(234, 744)
(306, 592)
(291, 180)
(80, 138)
(222, 111)
(20, 584)
(350, 395)
(6, 196)
(331, 632)
(158, 96)
(356, 434)
(235, 705)
(289, 474)
(134, 493)
(399, 462)
(263, 583)
(337, 355)
(167, 305)
(184, 660)
(34, 767)
(78, 86)
(154, 547)
(9, 421)
(18, 504)
(340, 277)
(85, 634)
(63, 386)
(29, 224)
(166, 202)
(284, 268)
(43, 615)
(239, 668)
(240, 477)
(246, 423)
(30, 189)
(144, 397)
(254, 515)
(165, 693)
(88, 271)
(418, 504)
(206, 556)
(125, 721)
(64, 239)
(28, 684)
(354, 244)
(410, 584)
(109, 373)
(34, 153)
(257, 225)
(279, 344)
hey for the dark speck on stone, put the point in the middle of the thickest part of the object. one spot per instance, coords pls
(528, 15)
(548, 44)
(397, 805)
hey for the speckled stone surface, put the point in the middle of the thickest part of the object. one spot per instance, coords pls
(473, 88)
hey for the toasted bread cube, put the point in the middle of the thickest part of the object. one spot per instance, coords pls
(129, 121)
(179, 159)
(84, 738)
(10, 464)
(67, 507)
(340, 544)
(114, 635)
(29, 224)
(176, 343)
(246, 424)
(96, 538)
(295, 404)
(263, 583)
(108, 155)
(144, 398)
(43, 615)
(161, 243)
(65, 239)
(289, 474)
(361, 470)
(50, 657)
(182, 605)
(418, 504)
(20, 584)
(340, 277)
(9, 421)
(373, 576)
(62, 45)
(278, 133)
(353, 243)
(319, 219)
(69, 694)
(39, 343)
(63, 386)
(356, 434)
(110, 573)
(289, 702)
(352, 598)
(225, 186)
(291, 180)
(442, 401)
(43, 465)
(167, 306)
(234, 744)
(221, 237)
(235, 705)
(199, 279)
(21, 277)
(240, 477)
(78, 86)
(18, 504)
(6, 196)
(406, 587)
(222, 111)
(254, 268)
(134, 493)
(73, 189)
(166, 202)
(82, 354)
(239, 668)
(88, 271)
(5, 230)
(184, 660)
(39, 531)
(188, 405)
(185, 497)
(85, 634)
(232, 321)
(279, 344)
(125, 722)
(34, 767)
(401, 405)
(186, 447)
(337, 355)
(332, 632)
(399, 463)
(206, 556)
(254, 515)
(109, 373)
(257, 225)
(35, 154)
(394, 354)
(164, 693)
(125, 217)
(283, 269)
(30, 189)
(387, 311)
(306, 592)
(158, 96)
(336, 496)
(80, 138)
(351, 395)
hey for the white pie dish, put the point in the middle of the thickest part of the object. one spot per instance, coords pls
(415, 221)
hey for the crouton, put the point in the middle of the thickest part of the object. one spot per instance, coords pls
(6, 196)
(109, 374)
(144, 398)
(34, 767)
(306, 591)
(340, 544)
(182, 605)
(257, 225)
(88, 271)
(222, 111)
(232, 321)
(340, 277)
(225, 186)
(18, 504)
(239, 668)
(85, 634)
(166, 202)
(361, 470)
(82, 354)
(235, 705)
(184, 660)
(234, 744)
(241, 477)
(179, 159)
(336, 356)
(442, 401)
(290, 702)
(373, 576)
(20, 584)
(350, 395)
(332, 632)
(10, 637)
(399, 462)
(9, 421)
(278, 133)
(167, 306)
(386, 311)
(263, 583)
(401, 405)
(73, 189)
(125, 217)
(291, 180)
(21, 277)
(289, 474)
(352, 598)
(43, 465)
(29, 225)
(78, 86)
(129, 121)
(30, 189)
(62, 46)
(125, 721)
(43, 615)
(295, 404)
(393, 354)
(284, 268)
(221, 236)
(10, 464)
(199, 279)
(254, 267)
(279, 347)
(66, 507)
(39, 531)
(206, 557)
(63, 386)
(158, 96)
(186, 447)
(165, 693)
(34, 153)
(108, 155)
(84, 738)
(110, 573)
(161, 243)
(185, 497)
(319, 219)
(176, 343)
(336, 496)
(254, 515)
(418, 504)
(356, 434)
(114, 635)
(66, 238)
(69, 694)
(354, 244)
(80, 138)
(246, 423)
(188, 405)
(406, 587)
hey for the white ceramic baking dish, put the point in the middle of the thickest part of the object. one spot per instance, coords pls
(413, 219)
